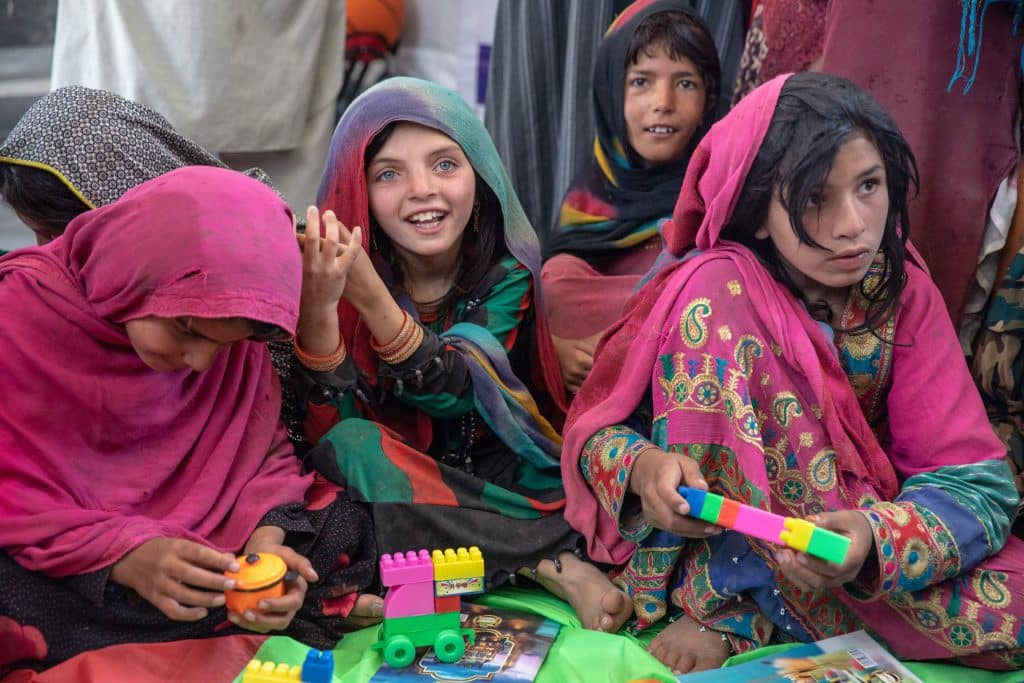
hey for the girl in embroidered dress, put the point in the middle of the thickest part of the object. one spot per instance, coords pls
(801, 361)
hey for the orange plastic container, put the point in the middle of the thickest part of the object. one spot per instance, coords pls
(261, 576)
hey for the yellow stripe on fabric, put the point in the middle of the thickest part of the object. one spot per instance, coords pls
(638, 237)
(51, 169)
(602, 162)
(571, 216)
(524, 399)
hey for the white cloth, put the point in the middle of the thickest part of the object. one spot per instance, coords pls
(236, 77)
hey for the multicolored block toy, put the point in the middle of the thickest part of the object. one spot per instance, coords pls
(318, 668)
(423, 602)
(798, 534)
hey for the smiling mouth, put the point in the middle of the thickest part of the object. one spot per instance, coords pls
(661, 130)
(427, 221)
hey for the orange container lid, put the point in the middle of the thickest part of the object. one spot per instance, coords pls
(258, 570)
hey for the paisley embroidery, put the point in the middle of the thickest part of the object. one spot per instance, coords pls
(785, 407)
(692, 328)
(747, 349)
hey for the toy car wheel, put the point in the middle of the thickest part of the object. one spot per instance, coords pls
(449, 646)
(399, 652)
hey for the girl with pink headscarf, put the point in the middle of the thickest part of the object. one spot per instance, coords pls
(140, 444)
(800, 360)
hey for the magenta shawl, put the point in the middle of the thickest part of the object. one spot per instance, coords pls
(795, 355)
(99, 453)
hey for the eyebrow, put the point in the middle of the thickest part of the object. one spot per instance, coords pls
(447, 149)
(193, 330)
(648, 72)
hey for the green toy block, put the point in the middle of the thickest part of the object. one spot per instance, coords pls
(828, 545)
(711, 508)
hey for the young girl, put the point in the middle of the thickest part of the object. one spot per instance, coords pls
(801, 362)
(140, 445)
(77, 148)
(655, 88)
(428, 372)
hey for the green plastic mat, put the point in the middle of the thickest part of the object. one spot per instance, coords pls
(577, 654)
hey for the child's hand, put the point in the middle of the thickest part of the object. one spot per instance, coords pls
(181, 578)
(275, 614)
(575, 358)
(656, 478)
(810, 573)
(326, 261)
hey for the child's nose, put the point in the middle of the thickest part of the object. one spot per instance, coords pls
(421, 183)
(850, 220)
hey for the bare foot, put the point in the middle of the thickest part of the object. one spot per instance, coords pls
(684, 647)
(599, 605)
(368, 610)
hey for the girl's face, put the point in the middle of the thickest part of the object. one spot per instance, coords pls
(166, 344)
(421, 189)
(664, 105)
(846, 217)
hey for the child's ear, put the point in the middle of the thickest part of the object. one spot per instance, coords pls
(762, 233)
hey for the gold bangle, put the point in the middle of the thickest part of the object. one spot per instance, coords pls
(400, 339)
(406, 351)
(321, 363)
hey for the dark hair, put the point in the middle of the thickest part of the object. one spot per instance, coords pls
(816, 114)
(268, 332)
(480, 250)
(681, 35)
(40, 196)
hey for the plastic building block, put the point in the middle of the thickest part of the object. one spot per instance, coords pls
(458, 564)
(318, 667)
(410, 567)
(447, 604)
(798, 534)
(448, 587)
(409, 600)
(828, 545)
(269, 672)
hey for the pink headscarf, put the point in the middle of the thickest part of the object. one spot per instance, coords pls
(99, 453)
(623, 363)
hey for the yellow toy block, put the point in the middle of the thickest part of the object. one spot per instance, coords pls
(268, 672)
(458, 564)
(796, 533)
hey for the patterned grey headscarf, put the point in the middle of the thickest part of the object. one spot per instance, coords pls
(100, 144)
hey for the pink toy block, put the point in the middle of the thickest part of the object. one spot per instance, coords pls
(411, 567)
(409, 600)
(759, 523)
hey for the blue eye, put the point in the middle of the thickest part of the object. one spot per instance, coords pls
(386, 175)
(445, 166)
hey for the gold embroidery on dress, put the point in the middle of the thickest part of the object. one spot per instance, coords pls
(747, 349)
(734, 287)
(692, 328)
(724, 333)
(786, 406)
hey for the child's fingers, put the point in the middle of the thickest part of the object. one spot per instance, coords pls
(298, 563)
(331, 236)
(349, 252)
(311, 238)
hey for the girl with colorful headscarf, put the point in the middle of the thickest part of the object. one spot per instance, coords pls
(800, 361)
(140, 443)
(655, 88)
(429, 373)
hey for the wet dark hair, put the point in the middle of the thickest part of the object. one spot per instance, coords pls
(39, 196)
(480, 250)
(816, 114)
(681, 35)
